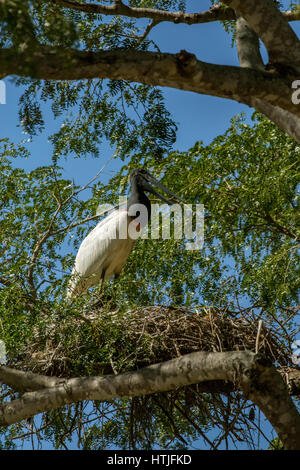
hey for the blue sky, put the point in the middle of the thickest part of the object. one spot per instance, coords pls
(198, 117)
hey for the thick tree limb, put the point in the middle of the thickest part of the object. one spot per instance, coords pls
(119, 9)
(272, 27)
(22, 381)
(27, 381)
(284, 119)
(247, 371)
(247, 44)
(181, 71)
(249, 56)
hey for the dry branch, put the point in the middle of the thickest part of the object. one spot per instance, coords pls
(248, 371)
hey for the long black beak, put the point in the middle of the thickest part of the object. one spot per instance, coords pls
(147, 187)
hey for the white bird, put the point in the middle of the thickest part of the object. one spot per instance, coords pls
(104, 251)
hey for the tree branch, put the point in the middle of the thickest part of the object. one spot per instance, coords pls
(249, 56)
(247, 44)
(215, 13)
(284, 119)
(119, 9)
(272, 27)
(181, 71)
(258, 380)
(270, 220)
(22, 381)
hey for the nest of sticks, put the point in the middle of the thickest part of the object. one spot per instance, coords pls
(102, 342)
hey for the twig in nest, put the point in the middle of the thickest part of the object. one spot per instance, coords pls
(113, 366)
(258, 335)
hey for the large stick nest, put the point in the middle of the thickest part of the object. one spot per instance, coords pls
(112, 342)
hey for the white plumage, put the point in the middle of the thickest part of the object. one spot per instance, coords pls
(102, 254)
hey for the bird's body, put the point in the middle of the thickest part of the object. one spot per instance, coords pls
(96, 258)
(104, 251)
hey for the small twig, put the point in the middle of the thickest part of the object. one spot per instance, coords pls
(99, 172)
(113, 366)
(31, 432)
(258, 335)
(83, 221)
(194, 424)
(147, 31)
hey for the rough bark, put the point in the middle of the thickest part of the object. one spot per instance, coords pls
(248, 371)
(27, 381)
(182, 71)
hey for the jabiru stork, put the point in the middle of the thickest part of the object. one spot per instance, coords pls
(103, 253)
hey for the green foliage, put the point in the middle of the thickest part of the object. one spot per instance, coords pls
(247, 180)
(17, 29)
(177, 5)
(131, 116)
(276, 444)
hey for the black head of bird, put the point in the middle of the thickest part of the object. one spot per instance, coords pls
(141, 180)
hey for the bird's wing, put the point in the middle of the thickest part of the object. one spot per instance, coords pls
(99, 243)
(98, 246)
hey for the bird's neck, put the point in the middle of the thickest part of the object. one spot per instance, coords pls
(138, 197)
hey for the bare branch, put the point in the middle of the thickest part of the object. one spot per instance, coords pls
(258, 380)
(247, 44)
(147, 31)
(181, 71)
(260, 323)
(23, 381)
